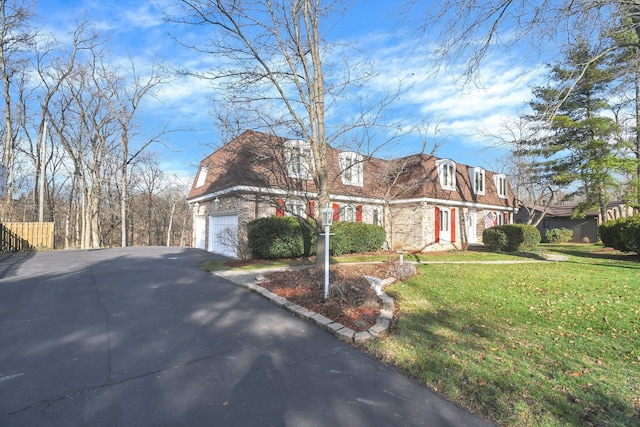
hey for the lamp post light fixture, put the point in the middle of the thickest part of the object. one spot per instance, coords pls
(327, 220)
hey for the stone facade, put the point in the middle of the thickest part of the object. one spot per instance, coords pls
(243, 181)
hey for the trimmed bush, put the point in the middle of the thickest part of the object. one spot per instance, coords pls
(558, 235)
(517, 237)
(622, 234)
(494, 239)
(355, 237)
(279, 237)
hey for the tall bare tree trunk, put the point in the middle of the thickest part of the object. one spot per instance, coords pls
(173, 209)
(123, 190)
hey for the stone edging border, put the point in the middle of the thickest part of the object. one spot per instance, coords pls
(251, 281)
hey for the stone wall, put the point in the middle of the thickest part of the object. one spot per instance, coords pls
(409, 226)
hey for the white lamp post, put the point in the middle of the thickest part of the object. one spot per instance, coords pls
(327, 220)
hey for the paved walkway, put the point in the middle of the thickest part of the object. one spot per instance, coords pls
(142, 336)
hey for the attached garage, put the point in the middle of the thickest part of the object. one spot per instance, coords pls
(223, 234)
(200, 231)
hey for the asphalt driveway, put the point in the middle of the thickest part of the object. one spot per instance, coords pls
(142, 337)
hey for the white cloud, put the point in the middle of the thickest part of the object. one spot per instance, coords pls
(145, 16)
(138, 28)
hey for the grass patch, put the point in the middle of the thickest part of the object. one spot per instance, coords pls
(476, 255)
(217, 265)
(552, 344)
(213, 265)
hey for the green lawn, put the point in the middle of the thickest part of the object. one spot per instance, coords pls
(547, 343)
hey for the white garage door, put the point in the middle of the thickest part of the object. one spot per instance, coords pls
(223, 234)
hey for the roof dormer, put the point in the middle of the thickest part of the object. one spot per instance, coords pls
(477, 179)
(202, 175)
(500, 180)
(351, 167)
(447, 173)
(299, 158)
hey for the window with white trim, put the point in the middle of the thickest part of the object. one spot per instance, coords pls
(299, 158)
(501, 185)
(376, 216)
(476, 175)
(349, 213)
(447, 174)
(202, 176)
(297, 208)
(351, 166)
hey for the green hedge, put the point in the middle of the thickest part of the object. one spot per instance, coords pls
(355, 237)
(280, 237)
(494, 239)
(558, 235)
(511, 238)
(622, 234)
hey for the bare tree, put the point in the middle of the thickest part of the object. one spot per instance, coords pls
(273, 76)
(126, 93)
(470, 30)
(16, 36)
(175, 195)
(534, 185)
(85, 127)
(52, 67)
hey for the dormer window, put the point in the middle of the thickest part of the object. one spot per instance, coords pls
(351, 167)
(202, 176)
(476, 175)
(501, 185)
(447, 174)
(299, 158)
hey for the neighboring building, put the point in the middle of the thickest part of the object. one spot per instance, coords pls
(585, 230)
(423, 202)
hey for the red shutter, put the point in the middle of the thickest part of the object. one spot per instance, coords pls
(506, 217)
(336, 212)
(311, 209)
(359, 213)
(279, 207)
(437, 224)
(453, 225)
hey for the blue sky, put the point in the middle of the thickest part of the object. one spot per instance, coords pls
(461, 115)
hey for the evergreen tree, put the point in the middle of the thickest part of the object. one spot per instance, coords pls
(577, 140)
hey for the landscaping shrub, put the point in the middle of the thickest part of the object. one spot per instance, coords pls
(622, 234)
(558, 235)
(279, 237)
(494, 239)
(511, 238)
(355, 237)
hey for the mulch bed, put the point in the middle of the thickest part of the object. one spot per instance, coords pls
(351, 301)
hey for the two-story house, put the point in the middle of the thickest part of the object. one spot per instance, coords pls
(423, 202)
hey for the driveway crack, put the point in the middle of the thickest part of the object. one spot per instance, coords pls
(107, 324)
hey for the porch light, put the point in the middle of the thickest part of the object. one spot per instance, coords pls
(327, 216)
(327, 220)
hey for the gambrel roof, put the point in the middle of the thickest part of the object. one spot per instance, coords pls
(257, 160)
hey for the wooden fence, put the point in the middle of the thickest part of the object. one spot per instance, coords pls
(25, 236)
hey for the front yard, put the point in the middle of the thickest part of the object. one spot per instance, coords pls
(551, 344)
(523, 344)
